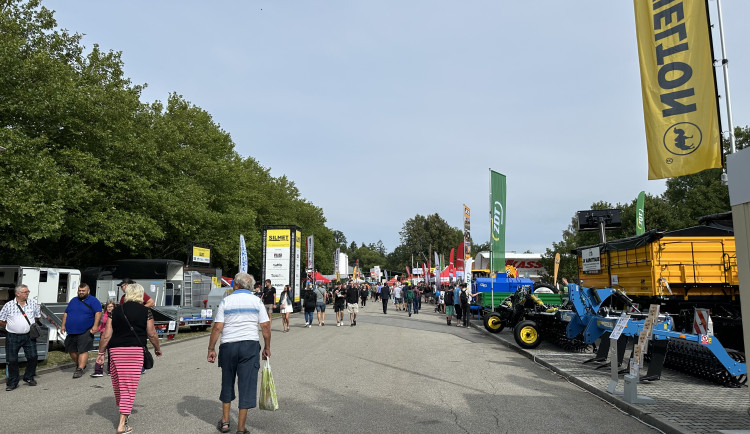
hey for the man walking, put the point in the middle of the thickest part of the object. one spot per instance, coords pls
(320, 304)
(16, 317)
(237, 319)
(408, 297)
(81, 321)
(398, 295)
(417, 299)
(352, 297)
(457, 303)
(465, 299)
(269, 299)
(385, 295)
(449, 305)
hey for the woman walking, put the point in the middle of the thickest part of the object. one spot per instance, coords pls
(285, 306)
(108, 308)
(125, 336)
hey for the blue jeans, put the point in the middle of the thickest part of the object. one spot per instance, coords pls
(417, 305)
(13, 344)
(309, 317)
(408, 306)
(240, 360)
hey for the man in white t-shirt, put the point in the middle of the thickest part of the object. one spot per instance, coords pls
(398, 296)
(237, 319)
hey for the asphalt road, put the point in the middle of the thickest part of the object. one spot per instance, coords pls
(390, 373)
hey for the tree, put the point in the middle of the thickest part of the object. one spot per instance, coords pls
(420, 235)
(92, 174)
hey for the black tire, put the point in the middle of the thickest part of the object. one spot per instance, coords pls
(538, 285)
(493, 323)
(527, 334)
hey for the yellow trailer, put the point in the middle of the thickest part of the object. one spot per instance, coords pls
(680, 270)
(692, 263)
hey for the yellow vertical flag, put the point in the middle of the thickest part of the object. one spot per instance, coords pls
(679, 88)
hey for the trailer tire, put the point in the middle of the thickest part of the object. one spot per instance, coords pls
(538, 285)
(527, 334)
(493, 323)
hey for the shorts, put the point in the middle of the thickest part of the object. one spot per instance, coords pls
(269, 308)
(338, 307)
(82, 343)
(288, 309)
(399, 300)
(320, 306)
(239, 361)
(449, 309)
(352, 307)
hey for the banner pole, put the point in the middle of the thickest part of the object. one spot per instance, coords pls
(725, 69)
(492, 251)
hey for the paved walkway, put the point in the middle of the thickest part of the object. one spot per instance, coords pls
(389, 374)
(682, 403)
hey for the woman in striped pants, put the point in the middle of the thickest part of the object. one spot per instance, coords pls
(125, 335)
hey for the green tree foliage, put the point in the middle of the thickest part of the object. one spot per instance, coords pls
(368, 255)
(92, 174)
(420, 236)
(685, 200)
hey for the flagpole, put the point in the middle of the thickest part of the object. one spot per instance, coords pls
(492, 251)
(725, 69)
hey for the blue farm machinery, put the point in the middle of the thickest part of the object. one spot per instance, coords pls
(587, 316)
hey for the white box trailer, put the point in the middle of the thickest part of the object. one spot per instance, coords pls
(47, 285)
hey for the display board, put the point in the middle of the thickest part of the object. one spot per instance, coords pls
(281, 258)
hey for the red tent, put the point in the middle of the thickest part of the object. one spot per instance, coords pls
(320, 278)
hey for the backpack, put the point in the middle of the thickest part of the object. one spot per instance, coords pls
(464, 297)
(409, 295)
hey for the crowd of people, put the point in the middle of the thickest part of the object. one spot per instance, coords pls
(126, 327)
(452, 300)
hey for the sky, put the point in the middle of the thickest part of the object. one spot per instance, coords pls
(381, 110)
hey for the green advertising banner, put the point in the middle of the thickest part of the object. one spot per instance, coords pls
(497, 221)
(640, 216)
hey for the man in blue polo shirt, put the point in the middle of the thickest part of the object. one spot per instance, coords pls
(81, 321)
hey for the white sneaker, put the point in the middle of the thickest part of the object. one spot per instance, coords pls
(338, 324)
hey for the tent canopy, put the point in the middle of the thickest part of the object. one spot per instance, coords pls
(321, 278)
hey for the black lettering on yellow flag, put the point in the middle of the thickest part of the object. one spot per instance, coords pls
(678, 85)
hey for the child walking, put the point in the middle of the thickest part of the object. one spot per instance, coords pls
(99, 368)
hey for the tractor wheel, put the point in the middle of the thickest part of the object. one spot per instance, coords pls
(493, 323)
(538, 285)
(527, 334)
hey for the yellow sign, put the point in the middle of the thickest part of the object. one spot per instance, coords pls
(678, 86)
(201, 254)
(278, 238)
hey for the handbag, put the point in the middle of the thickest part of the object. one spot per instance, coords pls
(35, 330)
(148, 359)
(268, 399)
